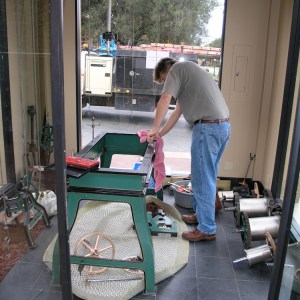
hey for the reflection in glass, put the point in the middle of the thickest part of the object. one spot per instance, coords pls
(26, 151)
(290, 284)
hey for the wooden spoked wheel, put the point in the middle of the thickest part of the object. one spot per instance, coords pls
(95, 245)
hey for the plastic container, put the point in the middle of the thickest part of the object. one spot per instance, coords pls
(183, 199)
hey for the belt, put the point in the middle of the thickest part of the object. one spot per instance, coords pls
(212, 121)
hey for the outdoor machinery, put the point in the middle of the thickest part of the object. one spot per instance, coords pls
(122, 76)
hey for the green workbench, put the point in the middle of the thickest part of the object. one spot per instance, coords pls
(114, 185)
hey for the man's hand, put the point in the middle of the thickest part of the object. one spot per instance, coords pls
(152, 135)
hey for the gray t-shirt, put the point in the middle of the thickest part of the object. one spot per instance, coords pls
(198, 94)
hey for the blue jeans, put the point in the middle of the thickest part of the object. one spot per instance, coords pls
(209, 141)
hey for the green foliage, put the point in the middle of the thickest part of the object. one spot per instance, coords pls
(217, 43)
(147, 21)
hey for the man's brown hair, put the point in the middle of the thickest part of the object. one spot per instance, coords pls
(163, 67)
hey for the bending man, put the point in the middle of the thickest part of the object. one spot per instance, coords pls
(200, 101)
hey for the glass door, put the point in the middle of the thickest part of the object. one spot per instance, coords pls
(285, 281)
(290, 282)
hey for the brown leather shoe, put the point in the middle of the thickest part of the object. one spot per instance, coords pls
(190, 219)
(196, 236)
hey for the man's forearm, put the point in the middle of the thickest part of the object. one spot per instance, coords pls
(171, 121)
(161, 110)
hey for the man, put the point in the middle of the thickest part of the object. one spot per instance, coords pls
(200, 101)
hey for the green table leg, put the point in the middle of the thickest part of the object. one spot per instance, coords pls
(139, 213)
(144, 235)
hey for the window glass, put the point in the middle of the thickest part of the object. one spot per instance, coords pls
(120, 47)
(290, 284)
(26, 148)
(296, 217)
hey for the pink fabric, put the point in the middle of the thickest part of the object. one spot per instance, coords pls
(158, 163)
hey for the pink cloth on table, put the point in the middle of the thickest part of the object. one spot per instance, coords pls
(158, 163)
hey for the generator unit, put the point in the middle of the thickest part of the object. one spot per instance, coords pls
(98, 75)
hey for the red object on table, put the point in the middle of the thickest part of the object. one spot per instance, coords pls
(80, 162)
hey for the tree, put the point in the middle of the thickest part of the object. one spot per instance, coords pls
(148, 21)
(217, 43)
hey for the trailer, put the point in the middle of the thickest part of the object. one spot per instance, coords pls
(123, 78)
